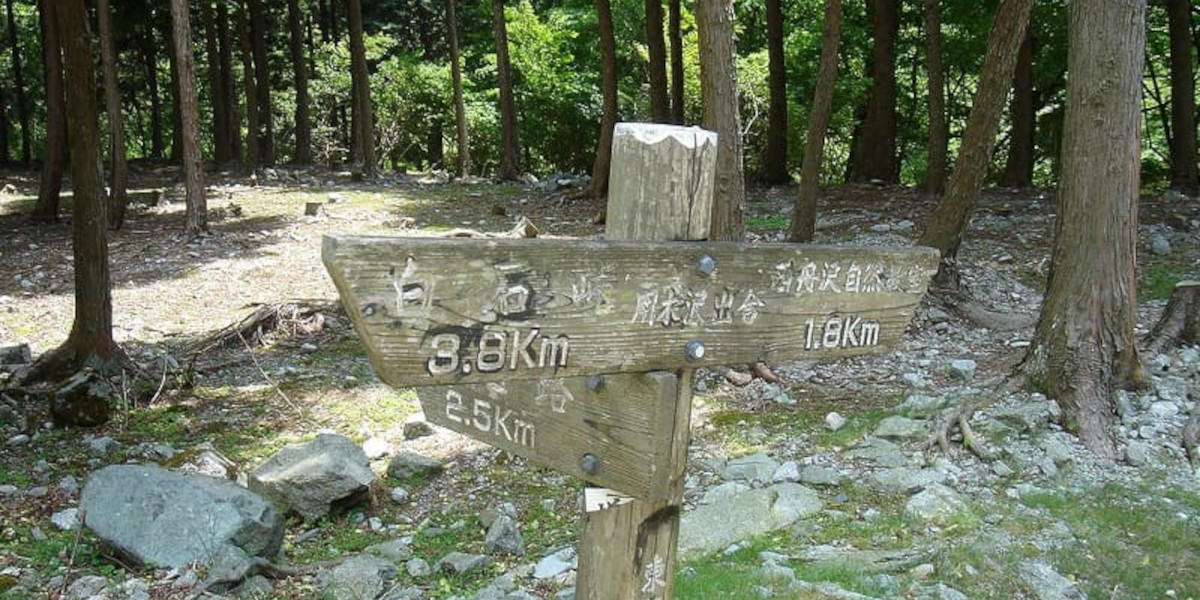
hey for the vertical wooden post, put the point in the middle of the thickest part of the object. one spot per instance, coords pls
(660, 188)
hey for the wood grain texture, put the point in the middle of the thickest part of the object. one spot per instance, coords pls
(445, 311)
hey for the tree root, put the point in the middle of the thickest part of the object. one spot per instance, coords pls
(762, 371)
(1180, 321)
(958, 420)
(260, 566)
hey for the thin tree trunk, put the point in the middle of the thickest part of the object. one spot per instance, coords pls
(193, 163)
(4, 127)
(253, 135)
(1184, 176)
(362, 83)
(460, 107)
(945, 226)
(719, 95)
(150, 59)
(262, 75)
(1084, 348)
(303, 154)
(608, 85)
(875, 154)
(656, 63)
(939, 134)
(19, 86)
(775, 163)
(54, 148)
(804, 211)
(509, 146)
(1018, 168)
(222, 149)
(228, 83)
(117, 197)
(673, 32)
(176, 156)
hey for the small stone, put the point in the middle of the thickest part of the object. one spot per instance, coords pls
(819, 476)
(396, 550)
(915, 380)
(7, 490)
(935, 504)
(922, 571)
(556, 563)
(376, 448)
(504, 537)
(102, 446)
(902, 428)
(1159, 245)
(18, 440)
(1137, 453)
(1001, 469)
(834, 421)
(66, 519)
(308, 347)
(460, 563)
(87, 586)
(963, 369)
(415, 426)
(399, 495)
(788, 471)
(407, 465)
(752, 468)
(1163, 409)
(418, 568)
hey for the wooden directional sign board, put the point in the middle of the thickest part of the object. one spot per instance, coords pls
(454, 311)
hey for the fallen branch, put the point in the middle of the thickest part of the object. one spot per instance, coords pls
(295, 318)
(260, 566)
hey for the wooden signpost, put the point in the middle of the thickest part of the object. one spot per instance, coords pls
(579, 354)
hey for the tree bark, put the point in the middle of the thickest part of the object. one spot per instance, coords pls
(463, 164)
(362, 103)
(804, 211)
(945, 226)
(1184, 176)
(54, 148)
(608, 85)
(509, 146)
(117, 197)
(230, 98)
(673, 32)
(250, 88)
(656, 64)
(1018, 168)
(221, 146)
(176, 156)
(19, 85)
(262, 75)
(150, 60)
(775, 163)
(875, 156)
(939, 134)
(1084, 348)
(719, 95)
(193, 163)
(1180, 320)
(303, 155)
(4, 127)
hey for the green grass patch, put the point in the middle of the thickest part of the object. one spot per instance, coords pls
(382, 414)
(857, 425)
(164, 423)
(339, 536)
(767, 223)
(1157, 279)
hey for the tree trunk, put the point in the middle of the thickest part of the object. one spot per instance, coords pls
(939, 134)
(804, 211)
(230, 98)
(253, 135)
(1184, 175)
(176, 156)
(608, 85)
(509, 146)
(945, 226)
(262, 75)
(193, 163)
(673, 32)
(460, 107)
(1018, 169)
(656, 64)
(775, 163)
(150, 60)
(875, 156)
(362, 103)
(303, 155)
(54, 148)
(4, 128)
(222, 150)
(719, 95)
(1180, 320)
(1084, 348)
(19, 86)
(117, 197)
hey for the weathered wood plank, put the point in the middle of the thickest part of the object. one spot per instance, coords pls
(441, 311)
(606, 430)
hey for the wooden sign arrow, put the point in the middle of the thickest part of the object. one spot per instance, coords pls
(440, 311)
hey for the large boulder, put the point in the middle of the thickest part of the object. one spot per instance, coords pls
(167, 519)
(310, 478)
(752, 512)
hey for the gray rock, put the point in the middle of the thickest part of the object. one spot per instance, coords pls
(724, 492)
(172, 519)
(788, 471)
(308, 478)
(1046, 584)
(360, 577)
(902, 428)
(1033, 416)
(904, 480)
(69, 485)
(936, 504)
(102, 446)
(793, 502)
(942, 591)
(834, 421)
(460, 563)
(754, 468)
(820, 476)
(880, 452)
(130, 589)
(407, 465)
(86, 587)
(963, 369)
(8, 490)
(254, 588)
(1159, 245)
(1001, 469)
(716, 526)
(826, 591)
(408, 593)
(66, 519)
(19, 439)
(777, 573)
(920, 405)
(418, 568)
(504, 537)
(397, 550)
(866, 561)
(207, 462)
(1163, 409)
(415, 426)
(556, 563)
(1137, 453)
(399, 495)
(375, 448)
(1057, 451)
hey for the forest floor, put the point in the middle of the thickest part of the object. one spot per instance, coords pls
(249, 397)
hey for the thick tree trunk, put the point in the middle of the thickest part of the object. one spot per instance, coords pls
(939, 134)
(509, 146)
(775, 163)
(875, 155)
(1180, 321)
(362, 85)
(804, 211)
(1184, 176)
(719, 95)
(945, 226)
(262, 75)
(19, 85)
(117, 197)
(674, 19)
(303, 155)
(250, 88)
(222, 149)
(1018, 168)
(54, 148)
(193, 163)
(608, 85)
(460, 107)
(229, 100)
(1084, 348)
(656, 64)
